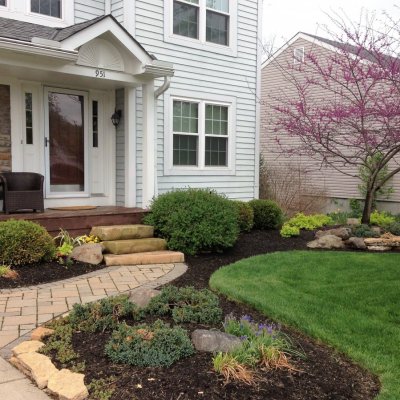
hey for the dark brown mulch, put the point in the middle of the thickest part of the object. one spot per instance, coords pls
(323, 374)
(35, 274)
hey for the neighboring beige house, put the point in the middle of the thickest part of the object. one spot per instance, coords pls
(337, 187)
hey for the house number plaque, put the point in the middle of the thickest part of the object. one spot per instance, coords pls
(100, 73)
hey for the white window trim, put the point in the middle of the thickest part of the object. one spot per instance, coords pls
(201, 168)
(201, 43)
(21, 11)
(296, 60)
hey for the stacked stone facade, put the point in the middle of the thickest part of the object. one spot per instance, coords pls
(5, 129)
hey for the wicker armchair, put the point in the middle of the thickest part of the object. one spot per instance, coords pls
(22, 191)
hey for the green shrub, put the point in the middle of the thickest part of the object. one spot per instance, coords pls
(155, 345)
(289, 230)
(24, 242)
(186, 304)
(267, 214)
(364, 231)
(382, 219)
(309, 222)
(245, 216)
(394, 228)
(356, 208)
(104, 314)
(194, 220)
(339, 217)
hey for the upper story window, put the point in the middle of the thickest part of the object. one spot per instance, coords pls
(298, 55)
(51, 8)
(204, 24)
(3, 3)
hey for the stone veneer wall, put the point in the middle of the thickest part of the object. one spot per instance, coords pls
(5, 129)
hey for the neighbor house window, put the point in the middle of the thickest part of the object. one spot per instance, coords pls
(51, 8)
(3, 3)
(298, 55)
(206, 20)
(28, 119)
(200, 134)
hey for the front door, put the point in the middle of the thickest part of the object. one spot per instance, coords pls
(66, 132)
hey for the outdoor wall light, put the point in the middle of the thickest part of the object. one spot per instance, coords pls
(116, 117)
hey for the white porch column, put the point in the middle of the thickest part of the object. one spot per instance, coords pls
(149, 139)
(129, 115)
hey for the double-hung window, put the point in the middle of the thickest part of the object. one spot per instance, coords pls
(200, 134)
(203, 22)
(52, 8)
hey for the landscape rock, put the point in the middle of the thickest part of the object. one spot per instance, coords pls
(36, 366)
(91, 253)
(142, 297)
(356, 243)
(41, 333)
(376, 229)
(327, 242)
(379, 248)
(30, 346)
(343, 233)
(386, 240)
(353, 221)
(122, 232)
(212, 341)
(68, 385)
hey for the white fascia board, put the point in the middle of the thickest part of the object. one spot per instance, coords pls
(290, 42)
(41, 50)
(101, 27)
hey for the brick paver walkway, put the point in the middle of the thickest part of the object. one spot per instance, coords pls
(23, 309)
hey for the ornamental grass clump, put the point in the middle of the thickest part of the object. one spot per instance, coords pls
(186, 304)
(24, 242)
(194, 220)
(155, 345)
(263, 345)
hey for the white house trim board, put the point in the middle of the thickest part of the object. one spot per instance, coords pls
(21, 10)
(201, 43)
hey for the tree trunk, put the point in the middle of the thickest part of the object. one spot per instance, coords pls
(369, 201)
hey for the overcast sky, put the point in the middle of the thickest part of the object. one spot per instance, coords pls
(284, 18)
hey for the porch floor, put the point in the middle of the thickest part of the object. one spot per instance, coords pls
(80, 222)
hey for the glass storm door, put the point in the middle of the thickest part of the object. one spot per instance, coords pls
(66, 143)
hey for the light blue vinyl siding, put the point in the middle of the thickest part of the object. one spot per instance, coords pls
(88, 9)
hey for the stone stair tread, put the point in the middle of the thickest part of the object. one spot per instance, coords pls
(129, 246)
(122, 232)
(145, 258)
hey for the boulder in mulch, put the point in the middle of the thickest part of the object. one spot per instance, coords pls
(91, 253)
(142, 297)
(353, 221)
(41, 333)
(214, 341)
(327, 242)
(29, 346)
(343, 233)
(67, 385)
(356, 243)
(35, 365)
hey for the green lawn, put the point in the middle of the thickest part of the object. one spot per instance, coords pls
(348, 300)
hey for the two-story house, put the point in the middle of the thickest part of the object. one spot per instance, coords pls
(117, 101)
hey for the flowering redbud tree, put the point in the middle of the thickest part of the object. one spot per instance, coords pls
(344, 107)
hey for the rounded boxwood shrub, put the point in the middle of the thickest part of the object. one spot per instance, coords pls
(245, 216)
(267, 214)
(24, 242)
(193, 220)
(155, 345)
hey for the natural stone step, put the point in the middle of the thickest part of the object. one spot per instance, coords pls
(149, 257)
(122, 232)
(134, 245)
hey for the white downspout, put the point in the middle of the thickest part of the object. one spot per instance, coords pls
(164, 87)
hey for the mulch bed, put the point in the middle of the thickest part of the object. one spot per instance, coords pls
(35, 274)
(323, 374)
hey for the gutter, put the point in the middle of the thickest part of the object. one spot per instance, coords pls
(164, 87)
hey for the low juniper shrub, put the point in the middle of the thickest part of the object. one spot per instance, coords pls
(194, 220)
(267, 214)
(186, 304)
(394, 228)
(364, 231)
(24, 242)
(104, 314)
(156, 345)
(245, 216)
